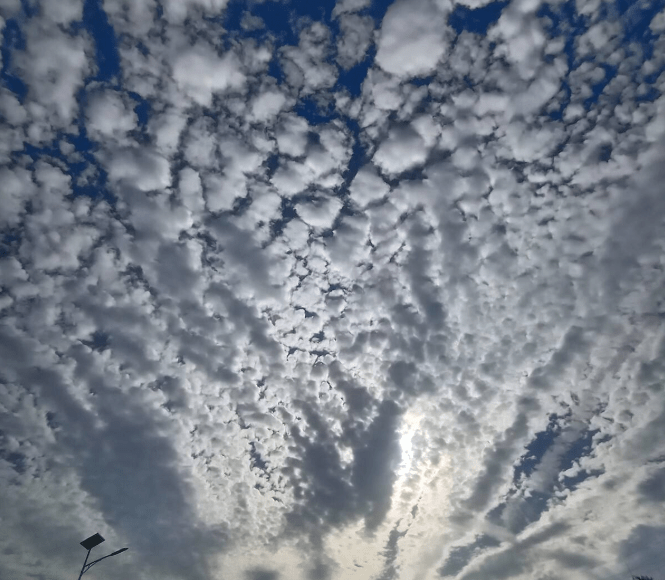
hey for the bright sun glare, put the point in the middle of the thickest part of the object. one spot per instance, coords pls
(408, 430)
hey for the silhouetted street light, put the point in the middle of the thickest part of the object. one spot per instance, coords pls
(89, 544)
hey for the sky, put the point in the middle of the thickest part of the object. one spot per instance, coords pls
(354, 290)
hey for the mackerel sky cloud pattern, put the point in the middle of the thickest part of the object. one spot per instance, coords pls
(355, 290)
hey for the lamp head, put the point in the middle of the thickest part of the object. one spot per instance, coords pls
(92, 541)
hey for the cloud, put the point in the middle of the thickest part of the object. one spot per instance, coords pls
(306, 66)
(267, 105)
(354, 40)
(260, 574)
(349, 6)
(145, 170)
(402, 150)
(177, 12)
(53, 66)
(292, 135)
(279, 304)
(109, 115)
(367, 186)
(412, 39)
(17, 189)
(200, 72)
(319, 213)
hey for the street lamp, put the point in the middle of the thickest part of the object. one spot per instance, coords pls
(89, 544)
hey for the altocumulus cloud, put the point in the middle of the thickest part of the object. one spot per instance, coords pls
(354, 290)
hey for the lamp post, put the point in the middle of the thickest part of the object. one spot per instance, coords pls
(89, 544)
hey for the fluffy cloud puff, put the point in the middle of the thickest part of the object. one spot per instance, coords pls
(412, 38)
(201, 72)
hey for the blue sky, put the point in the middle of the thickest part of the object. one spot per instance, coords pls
(333, 290)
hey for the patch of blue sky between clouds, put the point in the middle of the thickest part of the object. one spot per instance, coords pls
(576, 450)
(635, 18)
(563, 20)
(96, 22)
(476, 20)
(352, 79)
(316, 112)
(12, 40)
(282, 21)
(107, 59)
(528, 500)
(142, 109)
(94, 185)
(535, 450)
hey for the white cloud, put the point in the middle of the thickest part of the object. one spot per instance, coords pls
(343, 6)
(322, 162)
(53, 66)
(367, 186)
(63, 12)
(138, 168)
(109, 115)
(136, 17)
(220, 194)
(291, 178)
(267, 105)
(412, 38)
(474, 4)
(523, 38)
(200, 73)
(319, 212)
(167, 128)
(387, 95)
(292, 135)
(355, 39)
(306, 65)
(403, 149)
(11, 108)
(178, 10)
(191, 191)
(17, 188)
